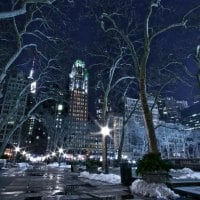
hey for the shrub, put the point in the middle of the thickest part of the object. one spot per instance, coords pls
(92, 163)
(152, 162)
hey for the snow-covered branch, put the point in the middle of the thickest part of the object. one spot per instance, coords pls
(115, 28)
(14, 13)
(22, 10)
(181, 24)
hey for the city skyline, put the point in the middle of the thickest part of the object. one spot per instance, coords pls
(128, 51)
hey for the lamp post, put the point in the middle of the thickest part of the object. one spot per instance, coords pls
(105, 131)
(17, 150)
(60, 151)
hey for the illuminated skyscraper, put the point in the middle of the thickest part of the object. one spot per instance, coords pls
(34, 138)
(76, 139)
(31, 97)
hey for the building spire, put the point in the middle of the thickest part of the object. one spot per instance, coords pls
(32, 69)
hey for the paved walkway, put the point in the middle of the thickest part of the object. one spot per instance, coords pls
(54, 184)
(193, 191)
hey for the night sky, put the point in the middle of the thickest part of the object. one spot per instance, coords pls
(76, 25)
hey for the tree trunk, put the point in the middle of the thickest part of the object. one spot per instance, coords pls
(119, 156)
(145, 107)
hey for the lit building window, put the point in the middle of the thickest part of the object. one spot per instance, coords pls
(33, 87)
(60, 107)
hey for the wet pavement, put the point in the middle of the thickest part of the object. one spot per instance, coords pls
(43, 183)
(53, 183)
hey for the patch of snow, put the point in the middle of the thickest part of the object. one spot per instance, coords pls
(65, 166)
(24, 166)
(185, 173)
(153, 190)
(56, 165)
(109, 178)
(194, 175)
(182, 171)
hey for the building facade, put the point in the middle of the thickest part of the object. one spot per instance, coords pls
(13, 107)
(170, 109)
(77, 136)
(135, 143)
(117, 126)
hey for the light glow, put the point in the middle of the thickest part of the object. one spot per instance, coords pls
(23, 152)
(17, 149)
(105, 130)
(60, 107)
(33, 87)
(60, 150)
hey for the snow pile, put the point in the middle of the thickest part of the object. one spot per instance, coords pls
(56, 165)
(185, 173)
(155, 190)
(24, 166)
(181, 171)
(109, 178)
(65, 166)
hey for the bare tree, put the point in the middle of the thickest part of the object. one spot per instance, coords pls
(138, 36)
(18, 35)
(45, 79)
(33, 34)
(57, 130)
(23, 7)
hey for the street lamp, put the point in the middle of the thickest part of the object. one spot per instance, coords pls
(60, 151)
(105, 131)
(17, 150)
(53, 154)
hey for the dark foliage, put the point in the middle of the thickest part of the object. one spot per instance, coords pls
(93, 163)
(152, 162)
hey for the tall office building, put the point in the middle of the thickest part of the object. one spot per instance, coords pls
(34, 133)
(76, 139)
(31, 98)
(191, 116)
(13, 106)
(170, 109)
(117, 126)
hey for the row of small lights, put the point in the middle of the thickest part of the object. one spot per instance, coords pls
(43, 158)
(105, 131)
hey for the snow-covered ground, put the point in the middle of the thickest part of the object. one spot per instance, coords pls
(185, 173)
(109, 178)
(57, 165)
(140, 187)
(18, 170)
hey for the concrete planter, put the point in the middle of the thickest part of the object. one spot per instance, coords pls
(156, 177)
(74, 168)
(92, 169)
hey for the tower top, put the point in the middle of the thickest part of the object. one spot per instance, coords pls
(80, 63)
